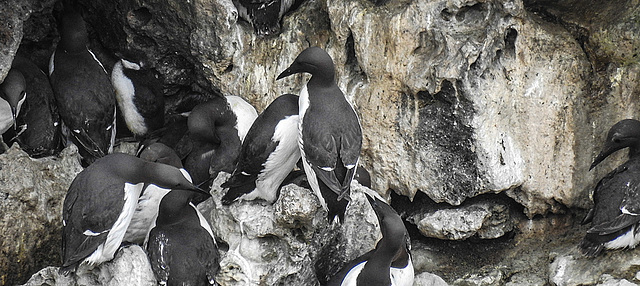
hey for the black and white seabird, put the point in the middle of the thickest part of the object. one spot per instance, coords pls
(217, 128)
(38, 123)
(12, 96)
(330, 133)
(389, 263)
(139, 96)
(181, 246)
(102, 199)
(615, 216)
(84, 94)
(269, 153)
(263, 15)
(149, 201)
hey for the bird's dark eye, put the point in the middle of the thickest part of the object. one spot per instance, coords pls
(616, 140)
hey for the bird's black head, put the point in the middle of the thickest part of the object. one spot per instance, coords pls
(72, 29)
(313, 60)
(174, 207)
(205, 118)
(160, 153)
(13, 90)
(624, 134)
(390, 221)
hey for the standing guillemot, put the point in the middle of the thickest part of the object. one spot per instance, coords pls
(139, 96)
(181, 246)
(615, 216)
(389, 263)
(38, 123)
(263, 15)
(330, 133)
(217, 128)
(269, 153)
(151, 195)
(12, 95)
(100, 202)
(84, 95)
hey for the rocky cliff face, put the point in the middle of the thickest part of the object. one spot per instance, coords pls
(461, 101)
(32, 193)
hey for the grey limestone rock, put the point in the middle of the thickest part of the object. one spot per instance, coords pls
(130, 266)
(290, 241)
(486, 219)
(610, 268)
(31, 195)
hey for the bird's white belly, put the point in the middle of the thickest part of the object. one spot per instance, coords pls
(402, 276)
(6, 119)
(145, 213)
(627, 240)
(280, 162)
(399, 276)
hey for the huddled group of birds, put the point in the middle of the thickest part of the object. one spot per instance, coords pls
(150, 199)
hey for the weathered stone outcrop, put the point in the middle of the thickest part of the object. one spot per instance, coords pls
(291, 241)
(570, 268)
(130, 266)
(485, 219)
(31, 195)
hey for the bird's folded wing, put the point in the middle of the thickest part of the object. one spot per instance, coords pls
(620, 222)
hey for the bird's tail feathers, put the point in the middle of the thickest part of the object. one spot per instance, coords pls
(590, 248)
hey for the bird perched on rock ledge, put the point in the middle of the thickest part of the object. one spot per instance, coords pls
(269, 153)
(615, 216)
(83, 92)
(330, 133)
(101, 201)
(37, 119)
(389, 263)
(12, 96)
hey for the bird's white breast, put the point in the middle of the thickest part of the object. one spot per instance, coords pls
(145, 214)
(628, 240)
(125, 91)
(280, 162)
(402, 276)
(6, 119)
(245, 114)
(399, 276)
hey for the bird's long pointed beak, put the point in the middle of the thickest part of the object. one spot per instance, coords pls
(197, 189)
(603, 155)
(285, 73)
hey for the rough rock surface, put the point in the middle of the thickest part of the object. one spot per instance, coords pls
(611, 268)
(23, 21)
(288, 242)
(31, 195)
(130, 266)
(486, 219)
